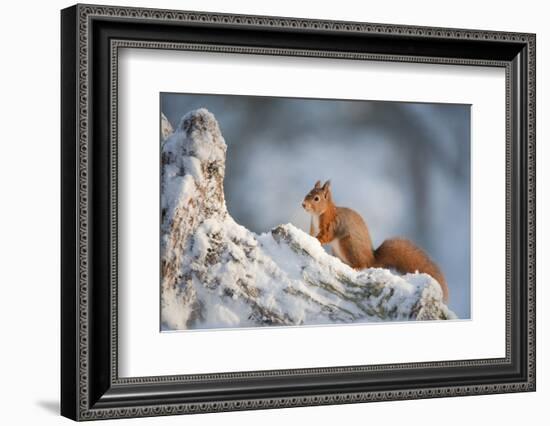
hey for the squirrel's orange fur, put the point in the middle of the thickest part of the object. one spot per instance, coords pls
(347, 233)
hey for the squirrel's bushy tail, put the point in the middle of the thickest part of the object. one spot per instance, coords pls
(405, 257)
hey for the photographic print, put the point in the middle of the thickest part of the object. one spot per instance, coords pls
(302, 212)
(355, 199)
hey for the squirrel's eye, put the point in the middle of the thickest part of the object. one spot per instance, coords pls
(316, 198)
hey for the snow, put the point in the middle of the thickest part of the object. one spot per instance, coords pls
(193, 166)
(203, 136)
(166, 128)
(218, 274)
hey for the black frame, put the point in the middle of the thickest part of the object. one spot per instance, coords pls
(90, 38)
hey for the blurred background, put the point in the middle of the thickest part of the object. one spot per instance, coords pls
(405, 167)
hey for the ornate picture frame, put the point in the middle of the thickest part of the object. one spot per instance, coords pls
(91, 37)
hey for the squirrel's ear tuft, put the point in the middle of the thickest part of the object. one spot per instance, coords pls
(326, 189)
(318, 184)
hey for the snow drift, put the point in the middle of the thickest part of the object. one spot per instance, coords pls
(217, 274)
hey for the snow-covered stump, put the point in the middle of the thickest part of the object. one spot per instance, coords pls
(216, 273)
(166, 128)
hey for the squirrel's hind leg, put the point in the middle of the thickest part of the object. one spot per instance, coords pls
(348, 254)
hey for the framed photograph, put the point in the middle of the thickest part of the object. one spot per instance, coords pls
(263, 212)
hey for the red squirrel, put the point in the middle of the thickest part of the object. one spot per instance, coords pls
(347, 233)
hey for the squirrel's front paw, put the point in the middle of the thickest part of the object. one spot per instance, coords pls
(323, 239)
